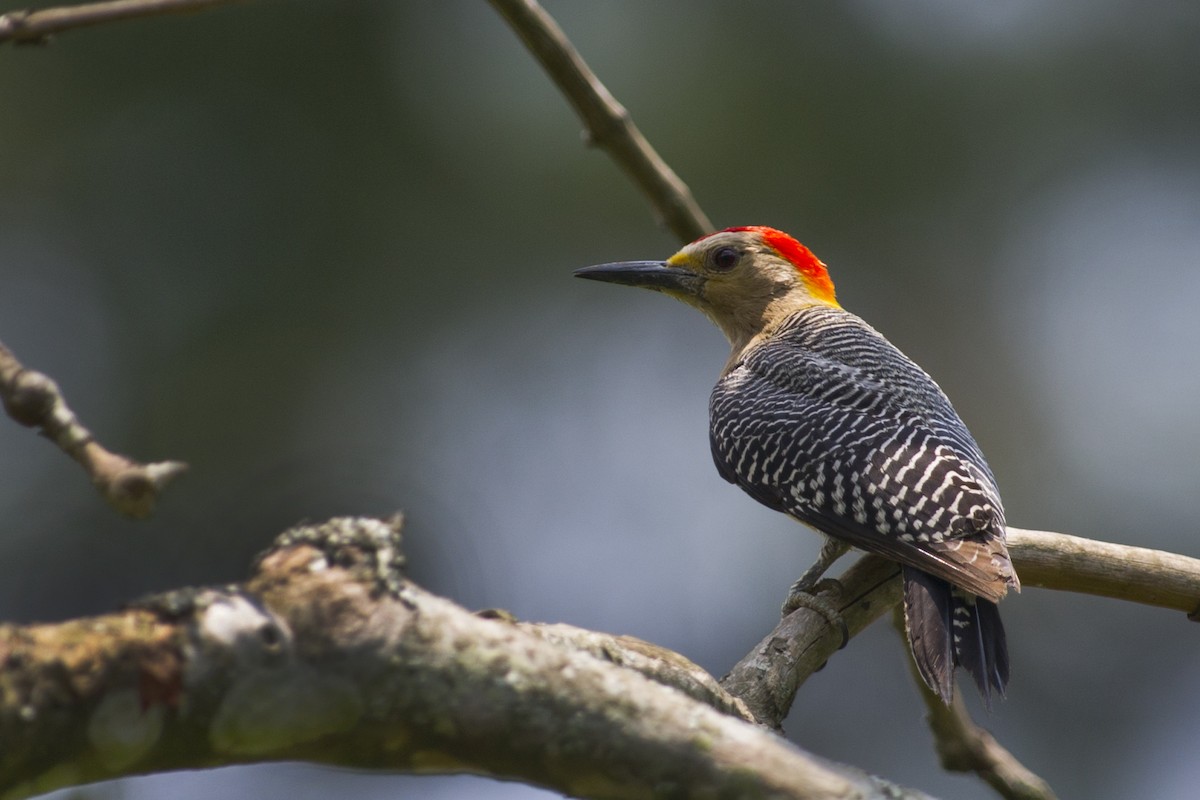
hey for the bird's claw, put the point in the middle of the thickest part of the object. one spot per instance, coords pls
(803, 596)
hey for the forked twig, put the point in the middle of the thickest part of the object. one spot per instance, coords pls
(34, 400)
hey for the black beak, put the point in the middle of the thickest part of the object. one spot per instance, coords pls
(656, 275)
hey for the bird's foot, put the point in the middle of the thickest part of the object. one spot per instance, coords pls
(807, 594)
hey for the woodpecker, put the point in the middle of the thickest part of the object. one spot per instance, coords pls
(820, 417)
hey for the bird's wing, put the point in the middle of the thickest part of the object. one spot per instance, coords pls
(831, 445)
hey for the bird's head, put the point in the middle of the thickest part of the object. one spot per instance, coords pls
(744, 279)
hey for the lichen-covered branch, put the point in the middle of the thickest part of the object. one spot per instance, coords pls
(36, 26)
(34, 400)
(328, 654)
(607, 122)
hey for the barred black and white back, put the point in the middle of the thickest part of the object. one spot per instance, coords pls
(825, 420)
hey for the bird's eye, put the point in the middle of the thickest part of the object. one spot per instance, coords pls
(725, 259)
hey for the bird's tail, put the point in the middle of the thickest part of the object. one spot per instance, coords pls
(948, 628)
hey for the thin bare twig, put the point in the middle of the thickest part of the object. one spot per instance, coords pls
(963, 746)
(608, 123)
(36, 26)
(34, 400)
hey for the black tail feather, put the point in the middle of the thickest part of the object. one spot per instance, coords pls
(970, 648)
(927, 616)
(949, 628)
(991, 632)
(981, 648)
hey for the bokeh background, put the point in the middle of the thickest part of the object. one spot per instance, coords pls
(322, 252)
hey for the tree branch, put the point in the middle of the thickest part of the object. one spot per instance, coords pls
(34, 400)
(1138, 574)
(281, 668)
(656, 663)
(608, 123)
(38, 25)
(328, 654)
(768, 677)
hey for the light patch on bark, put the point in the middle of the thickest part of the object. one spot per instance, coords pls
(122, 731)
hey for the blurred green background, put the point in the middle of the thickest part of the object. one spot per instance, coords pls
(322, 252)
